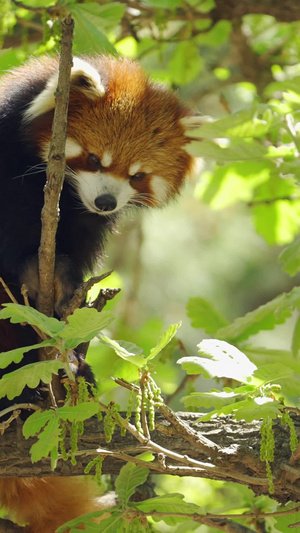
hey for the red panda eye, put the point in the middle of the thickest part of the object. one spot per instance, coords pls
(139, 176)
(94, 162)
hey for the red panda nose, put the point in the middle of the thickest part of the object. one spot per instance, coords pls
(106, 202)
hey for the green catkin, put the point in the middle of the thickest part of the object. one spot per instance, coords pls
(74, 442)
(90, 465)
(97, 463)
(286, 419)
(83, 390)
(267, 447)
(156, 392)
(128, 411)
(138, 412)
(109, 422)
(62, 440)
(151, 409)
(99, 470)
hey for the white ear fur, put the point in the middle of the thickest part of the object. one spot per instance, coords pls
(192, 122)
(84, 77)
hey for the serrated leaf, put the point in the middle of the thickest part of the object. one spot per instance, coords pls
(258, 408)
(221, 360)
(35, 422)
(130, 477)
(120, 347)
(22, 313)
(263, 318)
(85, 324)
(47, 440)
(78, 413)
(12, 384)
(210, 399)
(204, 315)
(167, 504)
(87, 519)
(166, 337)
(290, 258)
(16, 355)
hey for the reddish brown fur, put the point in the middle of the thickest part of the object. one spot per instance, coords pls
(136, 120)
(44, 504)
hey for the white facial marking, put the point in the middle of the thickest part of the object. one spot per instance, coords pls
(90, 185)
(45, 101)
(159, 189)
(134, 168)
(106, 159)
(73, 149)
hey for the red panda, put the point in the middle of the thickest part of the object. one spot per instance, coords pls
(126, 138)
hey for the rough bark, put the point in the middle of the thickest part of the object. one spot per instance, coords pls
(237, 458)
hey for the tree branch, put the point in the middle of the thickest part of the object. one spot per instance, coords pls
(238, 458)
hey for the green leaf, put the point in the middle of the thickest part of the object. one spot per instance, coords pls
(273, 372)
(233, 183)
(290, 258)
(35, 422)
(258, 408)
(84, 325)
(22, 313)
(12, 384)
(185, 63)
(16, 355)
(120, 348)
(296, 338)
(130, 477)
(90, 22)
(166, 337)
(235, 151)
(47, 440)
(216, 400)
(204, 315)
(263, 318)
(277, 222)
(221, 360)
(167, 504)
(78, 413)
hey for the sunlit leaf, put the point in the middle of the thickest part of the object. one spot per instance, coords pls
(22, 313)
(130, 477)
(166, 337)
(220, 360)
(12, 384)
(122, 350)
(290, 258)
(84, 325)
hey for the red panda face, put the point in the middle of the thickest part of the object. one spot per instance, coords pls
(125, 135)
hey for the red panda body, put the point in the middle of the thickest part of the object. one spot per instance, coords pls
(125, 147)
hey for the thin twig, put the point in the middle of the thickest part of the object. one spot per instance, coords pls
(55, 174)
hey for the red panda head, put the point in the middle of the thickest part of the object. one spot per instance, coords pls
(125, 135)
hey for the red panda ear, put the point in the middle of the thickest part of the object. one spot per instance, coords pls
(191, 122)
(84, 78)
